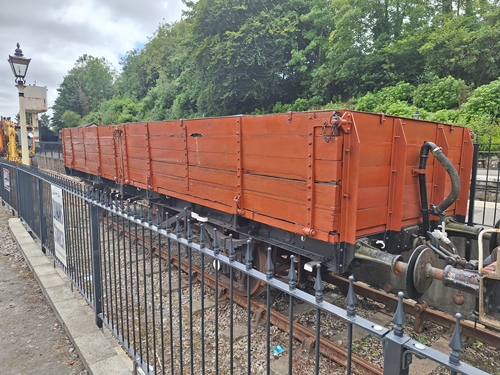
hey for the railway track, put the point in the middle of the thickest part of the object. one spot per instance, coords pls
(304, 335)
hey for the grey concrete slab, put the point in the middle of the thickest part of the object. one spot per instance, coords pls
(197, 306)
(60, 293)
(359, 333)
(93, 349)
(44, 269)
(239, 332)
(279, 366)
(110, 366)
(34, 252)
(51, 280)
(39, 261)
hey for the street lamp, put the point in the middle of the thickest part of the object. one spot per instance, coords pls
(416, 115)
(19, 65)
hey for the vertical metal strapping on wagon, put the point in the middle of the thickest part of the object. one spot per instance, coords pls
(396, 177)
(186, 153)
(310, 175)
(349, 191)
(148, 156)
(239, 164)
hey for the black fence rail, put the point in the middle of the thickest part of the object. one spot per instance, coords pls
(127, 262)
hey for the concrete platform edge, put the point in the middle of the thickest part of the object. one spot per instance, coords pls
(95, 351)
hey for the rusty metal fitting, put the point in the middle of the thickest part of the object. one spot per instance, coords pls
(309, 232)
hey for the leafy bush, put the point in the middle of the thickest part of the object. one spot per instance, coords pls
(444, 116)
(402, 109)
(379, 101)
(483, 105)
(441, 93)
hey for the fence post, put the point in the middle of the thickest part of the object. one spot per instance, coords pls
(395, 359)
(1, 183)
(18, 195)
(96, 262)
(43, 222)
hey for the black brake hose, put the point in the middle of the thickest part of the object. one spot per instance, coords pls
(455, 183)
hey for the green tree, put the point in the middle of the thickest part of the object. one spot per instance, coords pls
(243, 50)
(44, 120)
(465, 47)
(120, 110)
(70, 119)
(87, 85)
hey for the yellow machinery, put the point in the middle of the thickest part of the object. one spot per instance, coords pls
(9, 136)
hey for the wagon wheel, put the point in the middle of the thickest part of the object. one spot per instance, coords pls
(259, 263)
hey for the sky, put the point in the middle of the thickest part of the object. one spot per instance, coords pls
(54, 33)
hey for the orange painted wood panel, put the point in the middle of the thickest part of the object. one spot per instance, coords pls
(374, 176)
(287, 189)
(373, 197)
(213, 160)
(213, 144)
(327, 196)
(271, 157)
(168, 169)
(167, 143)
(293, 168)
(371, 217)
(276, 207)
(202, 176)
(168, 156)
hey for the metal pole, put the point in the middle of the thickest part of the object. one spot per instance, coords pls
(472, 194)
(96, 262)
(22, 124)
(43, 224)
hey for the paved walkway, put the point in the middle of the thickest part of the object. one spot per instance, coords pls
(45, 328)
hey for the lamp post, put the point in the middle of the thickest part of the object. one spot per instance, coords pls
(19, 65)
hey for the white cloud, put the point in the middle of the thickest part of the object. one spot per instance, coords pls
(54, 33)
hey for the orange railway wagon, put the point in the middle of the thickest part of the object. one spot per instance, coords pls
(340, 188)
(312, 183)
(308, 178)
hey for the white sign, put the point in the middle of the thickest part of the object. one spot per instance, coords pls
(6, 179)
(35, 99)
(58, 220)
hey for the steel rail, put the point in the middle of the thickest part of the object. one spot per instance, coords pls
(328, 349)
(470, 329)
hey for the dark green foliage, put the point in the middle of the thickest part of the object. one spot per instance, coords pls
(231, 57)
(444, 93)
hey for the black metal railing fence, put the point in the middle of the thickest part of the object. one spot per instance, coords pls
(50, 149)
(112, 253)
(485, 186)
